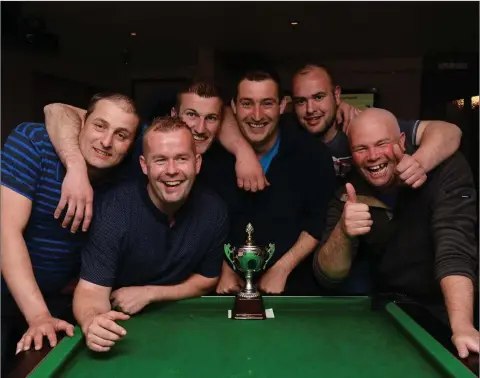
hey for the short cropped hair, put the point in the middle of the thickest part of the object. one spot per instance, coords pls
(202, 88)
(123, 101)
(259, 75)
(166, 124)
(307, 67)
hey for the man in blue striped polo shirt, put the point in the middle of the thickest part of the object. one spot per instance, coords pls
(39, 257)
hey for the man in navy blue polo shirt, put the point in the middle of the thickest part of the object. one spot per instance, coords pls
(39, 257)
(155, 239)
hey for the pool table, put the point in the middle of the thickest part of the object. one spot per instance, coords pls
(308, 337)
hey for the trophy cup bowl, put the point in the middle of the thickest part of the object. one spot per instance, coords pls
(249, 259)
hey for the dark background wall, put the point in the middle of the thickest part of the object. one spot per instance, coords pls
(419, 56)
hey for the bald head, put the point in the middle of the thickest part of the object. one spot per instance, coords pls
(372, 137)
(373, 122)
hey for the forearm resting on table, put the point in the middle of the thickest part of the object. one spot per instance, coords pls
(195, 286)
(230, 136)
(304, 245)
(18, 274)
(89, 301)
(63, 123)
(335, 256)
(437, 141)
(458, 294)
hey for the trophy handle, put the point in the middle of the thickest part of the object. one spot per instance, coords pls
(229, 253)
(270, 252)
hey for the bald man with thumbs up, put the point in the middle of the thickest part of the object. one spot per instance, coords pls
(417, 228)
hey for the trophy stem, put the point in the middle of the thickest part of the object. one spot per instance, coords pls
(249, 291)
(249, 286)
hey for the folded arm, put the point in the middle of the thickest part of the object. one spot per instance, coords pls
(437, 141)
(195, 286)
(89, 301)
(92, 309)
(274, 280)
(304, 245)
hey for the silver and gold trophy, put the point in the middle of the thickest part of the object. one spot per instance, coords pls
(249, 259)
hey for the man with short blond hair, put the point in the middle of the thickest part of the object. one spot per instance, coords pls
(157, 238)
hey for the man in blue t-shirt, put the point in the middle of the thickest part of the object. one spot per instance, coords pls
(39, 257)
(290, 212)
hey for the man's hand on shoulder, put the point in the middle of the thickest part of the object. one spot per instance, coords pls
(250, 176)
(40, 327)
(77, 194)
(102, 331)
(345, 114)
(132, 299)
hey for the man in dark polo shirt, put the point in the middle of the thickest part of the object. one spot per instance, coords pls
(291, 211)
(420, 242)
(152, 240)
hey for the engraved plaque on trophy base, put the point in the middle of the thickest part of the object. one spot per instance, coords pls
(248, 309)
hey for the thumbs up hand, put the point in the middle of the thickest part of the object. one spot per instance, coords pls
(356, 219)
(408, 169)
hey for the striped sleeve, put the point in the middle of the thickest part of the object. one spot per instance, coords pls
(21, 160)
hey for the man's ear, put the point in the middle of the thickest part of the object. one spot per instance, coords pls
(143, 164)
(401, 142)
(173, 112)
(337, 92)
(234, 106)
(283, 104)
(198, 163)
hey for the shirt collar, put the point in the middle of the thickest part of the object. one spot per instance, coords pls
(161, 216)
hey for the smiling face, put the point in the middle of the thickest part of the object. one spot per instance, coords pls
(171, 165)
(257, 110)
(315, 99)
(202, 115)
(107, 134)
(372, 135)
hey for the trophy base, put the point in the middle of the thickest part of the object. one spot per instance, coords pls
(248, 309)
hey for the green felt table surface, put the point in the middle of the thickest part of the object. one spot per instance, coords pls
(309, 337)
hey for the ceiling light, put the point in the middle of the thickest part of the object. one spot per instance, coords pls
(294, 23)
(133, 34)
